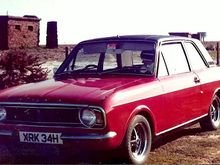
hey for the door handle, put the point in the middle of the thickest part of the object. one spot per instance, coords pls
(196, 80)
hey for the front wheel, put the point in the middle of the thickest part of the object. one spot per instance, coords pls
(138, 140)
(212, 121)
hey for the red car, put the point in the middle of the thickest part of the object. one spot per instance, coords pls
(117, 92)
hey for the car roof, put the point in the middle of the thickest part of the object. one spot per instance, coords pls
(151, 38)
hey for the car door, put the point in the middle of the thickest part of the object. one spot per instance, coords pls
(208, 77)
(181, 86)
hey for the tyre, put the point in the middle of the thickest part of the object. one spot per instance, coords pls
(212, 121)
(138, 140)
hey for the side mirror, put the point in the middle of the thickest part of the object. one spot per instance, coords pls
(55, 70)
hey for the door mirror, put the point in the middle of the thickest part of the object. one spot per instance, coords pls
(55, 70)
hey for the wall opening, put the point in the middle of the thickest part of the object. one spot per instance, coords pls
(18, 27)
(30, 28)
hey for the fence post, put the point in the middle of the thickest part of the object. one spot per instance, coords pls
(66, 52)
(217, 53)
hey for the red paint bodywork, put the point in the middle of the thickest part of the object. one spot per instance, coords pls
(168, 102)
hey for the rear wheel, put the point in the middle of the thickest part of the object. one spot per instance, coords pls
(212, 121)
(138, 140)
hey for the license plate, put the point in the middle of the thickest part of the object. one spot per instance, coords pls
(40, 137)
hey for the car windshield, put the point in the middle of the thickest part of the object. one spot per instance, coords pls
(111, 58)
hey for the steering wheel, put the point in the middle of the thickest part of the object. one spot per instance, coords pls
(91, 66)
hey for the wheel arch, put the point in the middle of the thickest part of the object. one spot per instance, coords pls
(147, 113)
(211, 123)
(217, 92)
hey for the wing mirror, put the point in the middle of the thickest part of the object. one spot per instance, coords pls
(55, 70)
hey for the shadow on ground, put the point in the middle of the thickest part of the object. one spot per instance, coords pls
(48, 154)
(174, 135)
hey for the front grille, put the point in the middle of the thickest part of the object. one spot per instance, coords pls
(44, 114)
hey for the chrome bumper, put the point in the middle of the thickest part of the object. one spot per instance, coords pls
(108, 135)
(90, 137)
(5, 133)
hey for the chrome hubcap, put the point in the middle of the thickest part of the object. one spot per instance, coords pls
(215, 111)
(138, 141)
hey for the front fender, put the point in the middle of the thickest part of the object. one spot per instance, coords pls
(146, 112)
(119, 118)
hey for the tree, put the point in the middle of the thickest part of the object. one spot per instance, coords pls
(18, 67)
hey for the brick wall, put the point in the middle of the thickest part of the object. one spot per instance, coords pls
(22, 33)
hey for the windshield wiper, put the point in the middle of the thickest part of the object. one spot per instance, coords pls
(77, 72)
(123, 71)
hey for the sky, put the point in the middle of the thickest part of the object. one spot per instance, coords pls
(79, 20)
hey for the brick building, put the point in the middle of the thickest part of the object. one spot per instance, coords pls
(17, 32)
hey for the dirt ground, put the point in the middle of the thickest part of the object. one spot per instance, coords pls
(187, 146)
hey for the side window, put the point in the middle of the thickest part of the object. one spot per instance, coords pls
(110, 61)
(204, 52)
(195, 59)
(175, 58)
(162, 70)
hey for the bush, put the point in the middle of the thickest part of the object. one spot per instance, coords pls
(17, 67)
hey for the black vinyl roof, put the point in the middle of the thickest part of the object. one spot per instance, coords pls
(152, 38)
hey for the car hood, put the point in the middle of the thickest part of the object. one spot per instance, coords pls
(78, 90)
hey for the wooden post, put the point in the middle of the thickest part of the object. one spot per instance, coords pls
(217, 53)
(66, 52)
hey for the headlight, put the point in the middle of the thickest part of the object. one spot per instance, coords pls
(2, 113)
(87, 117)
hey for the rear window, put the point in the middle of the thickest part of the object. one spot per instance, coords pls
(205, 53)
(196, 60)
